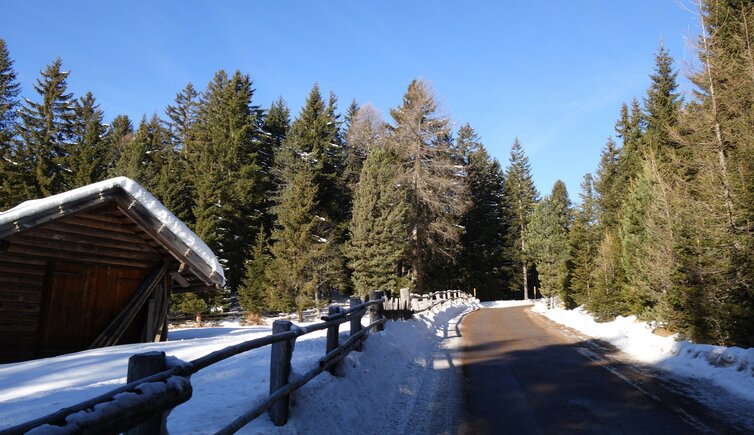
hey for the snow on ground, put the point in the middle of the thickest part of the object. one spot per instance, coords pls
(732, 368)
(403, 375)
(506, 304)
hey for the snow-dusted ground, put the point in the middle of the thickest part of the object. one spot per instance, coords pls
(404, 380)
(731, 368)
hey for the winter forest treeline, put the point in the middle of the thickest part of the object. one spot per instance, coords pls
(300, 206)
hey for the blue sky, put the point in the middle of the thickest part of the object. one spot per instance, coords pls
(552, 73)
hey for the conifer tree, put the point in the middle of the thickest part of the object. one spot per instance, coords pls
(13, 184)
(300, 243)
(584, 241)
(229, 193)
(88, 158)
(313, 144)
(144, 155)
(277, 122)
(486, 257)
(523, 196)
(176, 180)
(438, 196)
(119, 134)
(662, 103)
(548, 243)
(45, 131)
(253, 292)
(378, 247)
(365, 131)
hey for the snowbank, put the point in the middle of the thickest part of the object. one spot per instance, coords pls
(377, 386)
(138, 193)
(506, 304)
(729, 367)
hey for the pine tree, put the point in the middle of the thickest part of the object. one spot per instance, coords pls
(90, 151)
(13, 184)
(378, 247)
(438, 196)
(485, 260)
(523, 196)
(45, 131)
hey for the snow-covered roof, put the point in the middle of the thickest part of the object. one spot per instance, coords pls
(141, 197)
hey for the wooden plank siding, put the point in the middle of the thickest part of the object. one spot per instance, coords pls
(64, 281)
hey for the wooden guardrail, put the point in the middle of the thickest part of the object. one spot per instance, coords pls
(156, 384)
(405, 304)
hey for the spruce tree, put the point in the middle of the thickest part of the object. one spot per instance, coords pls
(523, 196)
(300, 243)
(378, 246)
(14, 186)
(584, 242)
(253, 294)
(365, 131)
(224, 163)
(90, 151)
(176, 179)
(119, 134)
(438, 196)
(548, 243)
(313, 144)
(144, 155)
(662, 103)
(45, 131)
(485, 260)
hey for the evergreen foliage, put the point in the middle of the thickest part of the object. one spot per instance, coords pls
(547, 238)
(378, 248)
(13, 186)
(45, 132)
(88, 158)
(253, 292)
(523, 196)
(486, 258)
(437, 194)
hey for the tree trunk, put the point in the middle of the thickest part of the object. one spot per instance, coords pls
(720, 144)
(523, 266)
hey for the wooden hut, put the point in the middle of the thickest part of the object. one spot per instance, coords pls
(94, 267)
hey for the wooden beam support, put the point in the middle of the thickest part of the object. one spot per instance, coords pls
(118, 326)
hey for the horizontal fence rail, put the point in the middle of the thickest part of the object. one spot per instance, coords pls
(156, 384)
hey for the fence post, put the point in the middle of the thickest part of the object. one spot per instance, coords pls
(140, 366)
(280, 368)
(332, 335)
(405, 304)
(379, 311)
(356, 321)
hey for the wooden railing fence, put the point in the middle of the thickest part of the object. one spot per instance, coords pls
(156, 384)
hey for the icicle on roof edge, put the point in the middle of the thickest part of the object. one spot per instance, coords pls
(137, 192)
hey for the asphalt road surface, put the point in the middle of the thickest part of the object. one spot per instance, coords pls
(525, 374)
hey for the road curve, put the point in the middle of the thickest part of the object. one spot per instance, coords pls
(525, 374)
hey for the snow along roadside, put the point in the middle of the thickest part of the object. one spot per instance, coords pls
(732, 368)
(406, 370)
